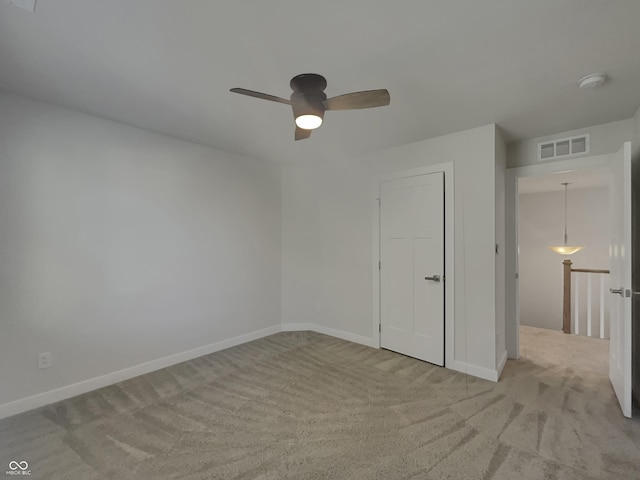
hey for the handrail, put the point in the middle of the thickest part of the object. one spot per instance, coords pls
(589, 270)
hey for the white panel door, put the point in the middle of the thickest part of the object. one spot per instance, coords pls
(412, 266)
(620, 268)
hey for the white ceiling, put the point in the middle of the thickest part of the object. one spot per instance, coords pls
(584, 178)
(449, 65)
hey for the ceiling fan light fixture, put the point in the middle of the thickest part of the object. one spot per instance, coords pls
(308, 121)
(308, 110)
(309, 102)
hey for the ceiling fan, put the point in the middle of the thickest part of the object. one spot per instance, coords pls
(309, 102)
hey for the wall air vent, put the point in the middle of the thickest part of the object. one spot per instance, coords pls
(564, 147)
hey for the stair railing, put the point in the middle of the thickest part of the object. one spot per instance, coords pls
(566, 299)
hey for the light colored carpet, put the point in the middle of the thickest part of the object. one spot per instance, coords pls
(301, 405)
(548, 348)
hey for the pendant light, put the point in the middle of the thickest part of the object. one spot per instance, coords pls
(565, 249)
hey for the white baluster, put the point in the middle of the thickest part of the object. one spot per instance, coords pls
(589, 304)
(576, 299)
(601, 305)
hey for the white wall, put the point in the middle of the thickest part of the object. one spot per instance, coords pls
(604, 138)
(540, 224)
(500, 192)
(119, 246)
(327, 239)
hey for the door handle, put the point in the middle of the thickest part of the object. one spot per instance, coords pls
(435, 278)
(619, 291)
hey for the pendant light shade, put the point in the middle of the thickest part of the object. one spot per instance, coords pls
(565, 249)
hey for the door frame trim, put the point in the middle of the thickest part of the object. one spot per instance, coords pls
(449, 244)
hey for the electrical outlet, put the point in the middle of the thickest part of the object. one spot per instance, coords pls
(44, 360)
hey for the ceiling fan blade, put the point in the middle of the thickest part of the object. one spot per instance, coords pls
(263, 96)
(355, 100)
(301, 133)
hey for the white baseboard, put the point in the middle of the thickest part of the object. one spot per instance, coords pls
(351, 337)
(475, 370)
(39, 400)
(501, 364)
(68, 391)
(297, 327)
(468, 368)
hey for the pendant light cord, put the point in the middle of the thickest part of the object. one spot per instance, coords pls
(565, 249)
(565, 213)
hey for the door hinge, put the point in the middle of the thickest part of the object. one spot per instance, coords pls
(379, 328)
(379, 265)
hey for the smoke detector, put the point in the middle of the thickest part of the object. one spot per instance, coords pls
(593, 80)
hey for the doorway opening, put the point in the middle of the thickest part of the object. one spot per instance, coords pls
(620, 265)
(564, 299)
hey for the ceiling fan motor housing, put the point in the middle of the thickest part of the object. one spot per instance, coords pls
(308, 104)
(308, 94)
